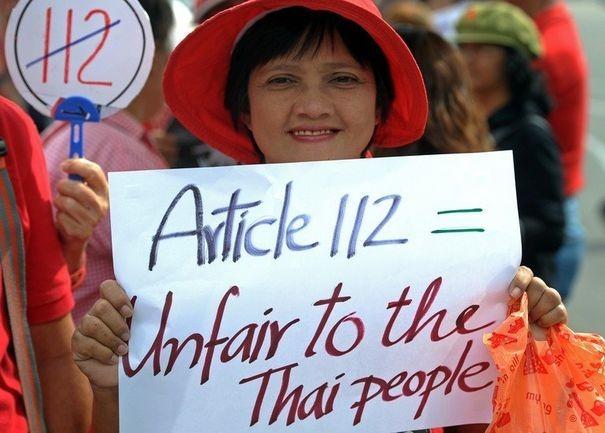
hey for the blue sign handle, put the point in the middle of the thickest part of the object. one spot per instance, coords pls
(76, 145)
(76, 110)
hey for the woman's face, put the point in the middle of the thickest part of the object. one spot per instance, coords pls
(486, 66)
(320, 107)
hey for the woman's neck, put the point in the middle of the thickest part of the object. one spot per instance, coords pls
(490, 102)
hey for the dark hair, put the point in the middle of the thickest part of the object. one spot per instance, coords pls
(455, 123)
(525, 84)
(161, 18)
(298, 31)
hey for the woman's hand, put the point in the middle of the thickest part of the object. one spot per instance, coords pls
(544, 303)
(102, 336)
(80, 207)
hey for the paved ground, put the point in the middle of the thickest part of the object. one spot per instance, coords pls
(587, 305)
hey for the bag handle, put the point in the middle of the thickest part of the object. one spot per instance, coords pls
(12, 267)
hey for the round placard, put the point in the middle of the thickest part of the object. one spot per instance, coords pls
(99, 50)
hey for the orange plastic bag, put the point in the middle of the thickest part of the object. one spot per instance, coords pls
(553, 386)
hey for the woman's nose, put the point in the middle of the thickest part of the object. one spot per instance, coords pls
(313, 103)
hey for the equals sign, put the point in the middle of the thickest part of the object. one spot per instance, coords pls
(459, 230)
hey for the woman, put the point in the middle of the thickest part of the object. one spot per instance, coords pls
(318, 82)
(511, 96)
(455, 125)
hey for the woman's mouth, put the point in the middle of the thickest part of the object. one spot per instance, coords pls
(313, 134)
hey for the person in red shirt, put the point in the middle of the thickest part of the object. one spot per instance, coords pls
(331, 79)
(66, 393)
(565, 66)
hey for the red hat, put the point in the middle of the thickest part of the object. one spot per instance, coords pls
(194, 84)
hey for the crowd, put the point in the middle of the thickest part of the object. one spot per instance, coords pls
(303, 80)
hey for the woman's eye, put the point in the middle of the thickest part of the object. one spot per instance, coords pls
(280, 81)
(345, 80)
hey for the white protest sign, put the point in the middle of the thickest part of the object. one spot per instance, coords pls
(100, 50)
(314, 297)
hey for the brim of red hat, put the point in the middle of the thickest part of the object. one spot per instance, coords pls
(195, 78)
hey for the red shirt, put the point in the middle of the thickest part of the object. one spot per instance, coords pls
(565, 66)
(48, 283)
